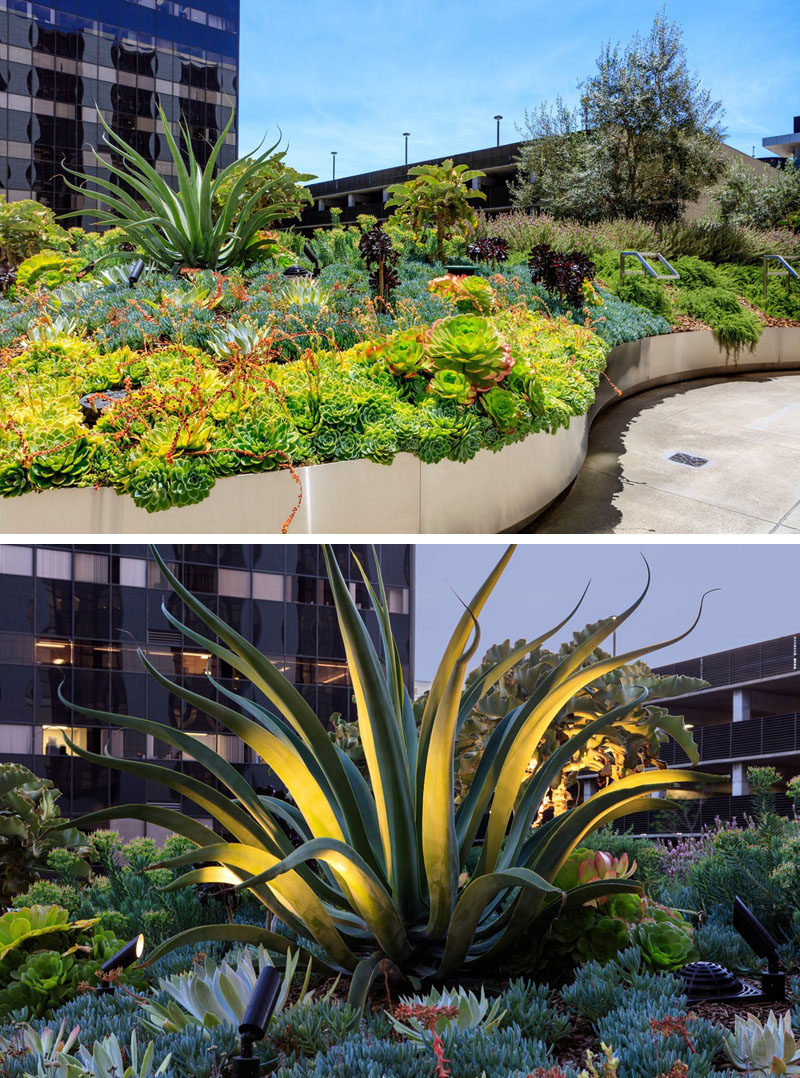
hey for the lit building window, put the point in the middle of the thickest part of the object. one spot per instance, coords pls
(16, 560)
(55, 564)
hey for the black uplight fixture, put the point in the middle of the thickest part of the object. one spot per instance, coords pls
(136, 271)
(125, 957)
(709, 981)
(773, 982)
(255, 1021)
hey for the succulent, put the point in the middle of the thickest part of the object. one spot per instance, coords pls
(585, 866)
(45, 1047)
(471, 345)
(210, 994)
(562, 274)
(461, 1009)
(403, 353)
(377, 250)
(299, 291)
(13, 479)
(43, 981)
(238, 339)
(470, 294)
(173, 437)
(488, 249)
(452, 385)
(45, 328)
(664, 944)
(48, 268)
(765, 1049)
(109, 1059)
(149, 486)
(502, 407)
(61, 457)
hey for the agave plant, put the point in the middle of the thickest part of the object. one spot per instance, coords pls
(378, 867)
(109, 1059)
(211, 994)
(461, 1007)
(764, 1050)
(237, 339)
(190, 226)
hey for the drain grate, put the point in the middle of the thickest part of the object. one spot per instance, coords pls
(688, 459)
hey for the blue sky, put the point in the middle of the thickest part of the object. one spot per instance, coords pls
(759, 596)
(352, 75)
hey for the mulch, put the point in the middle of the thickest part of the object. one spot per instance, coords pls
(767, 319)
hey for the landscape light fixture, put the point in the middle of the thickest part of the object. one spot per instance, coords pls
(255, 1021)
(333, 155)
(773, 982)
(136, 271)
(498, 118)
(405, 136)
(122, 959)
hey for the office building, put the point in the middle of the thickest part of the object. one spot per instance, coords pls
(74, 616)
(62, 60)
(749, 715)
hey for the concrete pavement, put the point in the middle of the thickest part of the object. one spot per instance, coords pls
(746, 428)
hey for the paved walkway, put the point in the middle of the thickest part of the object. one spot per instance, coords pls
(747, 429)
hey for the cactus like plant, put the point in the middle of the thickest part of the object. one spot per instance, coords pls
(472, 346)
(764, 1050)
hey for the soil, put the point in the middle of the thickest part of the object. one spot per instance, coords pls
(767, 319)
(685, 324)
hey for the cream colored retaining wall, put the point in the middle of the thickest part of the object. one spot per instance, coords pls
(491, 493)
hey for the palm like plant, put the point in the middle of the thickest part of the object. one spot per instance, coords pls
(210, 222)
(437, 195)
(378, 866)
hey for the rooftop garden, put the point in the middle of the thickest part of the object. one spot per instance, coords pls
(431, 890)
(197, 334)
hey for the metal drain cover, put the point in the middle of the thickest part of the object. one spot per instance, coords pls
(688, 459)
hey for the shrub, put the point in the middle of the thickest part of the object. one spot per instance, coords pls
(733, 326)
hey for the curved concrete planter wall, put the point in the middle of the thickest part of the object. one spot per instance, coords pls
(492, 493)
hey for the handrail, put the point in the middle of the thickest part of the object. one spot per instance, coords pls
(788, 272)
(647, 269)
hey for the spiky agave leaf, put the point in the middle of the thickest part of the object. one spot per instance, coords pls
(379, 872)
(186, 227)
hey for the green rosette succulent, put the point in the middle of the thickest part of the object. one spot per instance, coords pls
(476, 295)
(379, 444)
(452, 385)
(191, 481)
(503, 408)
(665, 945)
(149, 486)
(61, 458)
(13, 479)
(404, 353)
(472, 346)
(348, 446)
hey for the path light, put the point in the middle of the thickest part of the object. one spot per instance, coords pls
(135, 273)
(121, 960)
(255, 1021)
(773, 982)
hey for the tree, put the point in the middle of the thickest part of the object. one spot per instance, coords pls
(642, 143)
(279, 183)
(768, 201)
(437, 195)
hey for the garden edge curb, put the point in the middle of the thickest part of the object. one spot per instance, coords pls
(493, 492)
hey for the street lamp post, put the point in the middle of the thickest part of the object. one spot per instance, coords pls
(498, 119)
(405, 136)
(333, 157)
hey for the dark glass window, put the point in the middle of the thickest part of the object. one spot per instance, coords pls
(54, 607)
(268, 626)
(16, 606)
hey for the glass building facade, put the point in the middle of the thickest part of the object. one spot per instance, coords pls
(72, 618)
(63, 60)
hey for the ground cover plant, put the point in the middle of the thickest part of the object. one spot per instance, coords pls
(382, 934)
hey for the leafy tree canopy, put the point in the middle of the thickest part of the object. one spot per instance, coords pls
(642, 143)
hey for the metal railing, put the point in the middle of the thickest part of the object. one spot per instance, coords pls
(771, 736)
(647, 269)
(789, 273)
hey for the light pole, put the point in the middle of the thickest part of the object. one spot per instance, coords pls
(498, 118)
(333, 157)
(405, 136)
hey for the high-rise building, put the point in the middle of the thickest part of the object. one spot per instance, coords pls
(63, 60)
(72, 618)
